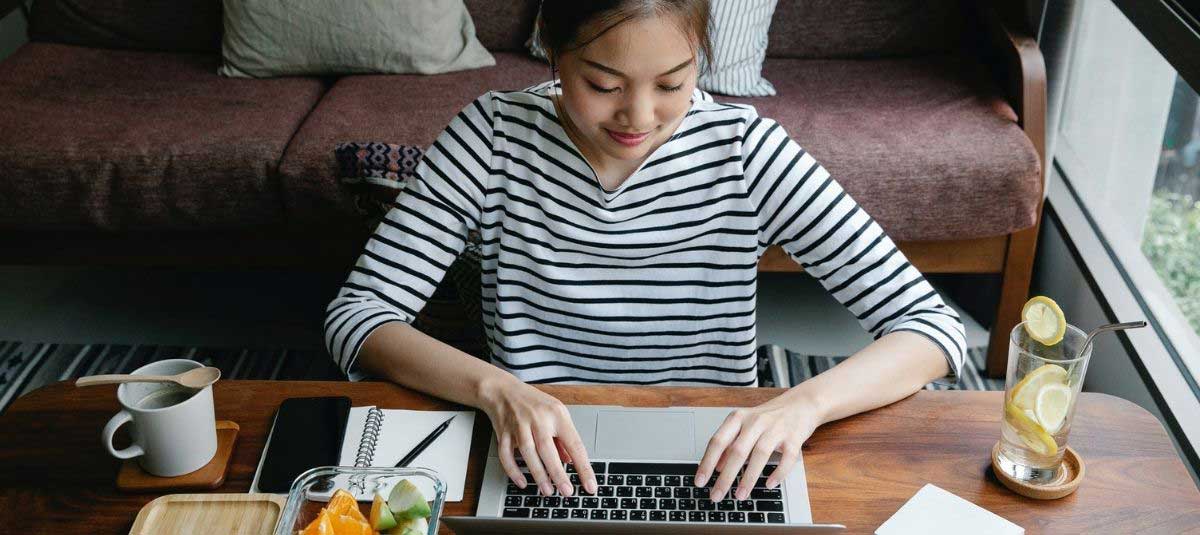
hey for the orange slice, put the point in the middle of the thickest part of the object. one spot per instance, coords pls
(343, 503)
(319, 525)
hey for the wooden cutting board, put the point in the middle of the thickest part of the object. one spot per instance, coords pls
(188, 514)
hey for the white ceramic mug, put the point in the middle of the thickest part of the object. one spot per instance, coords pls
(174, 428)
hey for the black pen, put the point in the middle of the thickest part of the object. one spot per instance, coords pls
(425, 442)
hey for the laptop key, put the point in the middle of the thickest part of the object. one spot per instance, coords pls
(687, 504)
(608, 503)
(560, 513)
(552, 501)
(529, 490)
(512, 501)
(644, 492)
(633, 480)
(616, 479)
(629, 503)
(678, 516)
(676, 469)
(768, 505)
(662, 492)
(605, 490)
(737, 516)
(756, 518)
(658, 516)
(579, 513)
(701, 493)
(648, 503)
(599, 468)
(667, 504)
(706, 505)
(618, 515)
(745, 505)
(637, 515)
(575, 479)
(533, 501)
(540, 512)
(516, 512)
(672, 481)
(624, 492)
(599, 514)
(716, 516)
(571, 502)
(591, 503)
(775, 518)
(727, 505)
(653, 481)
(683, 492)
(696, 516)
(766, 494)
(689, 481)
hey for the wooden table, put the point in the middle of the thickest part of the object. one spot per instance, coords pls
(57, 478)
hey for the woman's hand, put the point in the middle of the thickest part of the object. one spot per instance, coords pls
(752, 435)
(539, 426)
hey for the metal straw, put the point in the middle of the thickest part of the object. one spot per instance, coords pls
(1110, 327)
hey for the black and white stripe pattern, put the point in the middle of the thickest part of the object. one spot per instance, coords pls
(800, 367)
(27, 366)
(738, 31)
(653, 283)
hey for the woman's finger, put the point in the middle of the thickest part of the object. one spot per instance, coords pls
(505, 449)
(533, 461)
(787, 460)
(715, 450)
(570, 440)
(551, 461)
(735, 457)
(759, 455)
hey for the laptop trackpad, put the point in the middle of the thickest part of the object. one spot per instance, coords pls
(645, 434)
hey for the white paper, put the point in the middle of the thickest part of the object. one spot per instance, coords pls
(403, 429)
(935, 511)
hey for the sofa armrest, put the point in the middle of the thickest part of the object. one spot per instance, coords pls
(1022, 73)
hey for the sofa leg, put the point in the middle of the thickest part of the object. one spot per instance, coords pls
(1014, 291)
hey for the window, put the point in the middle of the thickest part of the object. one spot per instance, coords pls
(1128, 143)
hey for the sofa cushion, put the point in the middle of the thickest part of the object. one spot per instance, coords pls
(926, 145)
(177, 25)
(401, 108)
(128, 140)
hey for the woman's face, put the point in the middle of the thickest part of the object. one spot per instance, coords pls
(636, 79)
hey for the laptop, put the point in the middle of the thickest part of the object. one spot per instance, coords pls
(645, 460)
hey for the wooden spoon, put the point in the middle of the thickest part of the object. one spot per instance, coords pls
(195, 378)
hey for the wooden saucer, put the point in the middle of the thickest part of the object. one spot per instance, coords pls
(132, 478)
(1069, 477)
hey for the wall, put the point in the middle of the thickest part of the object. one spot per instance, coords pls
(12, 32)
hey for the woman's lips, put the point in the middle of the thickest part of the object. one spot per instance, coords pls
(627, 139)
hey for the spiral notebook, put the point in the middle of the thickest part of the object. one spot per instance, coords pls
(381, 437)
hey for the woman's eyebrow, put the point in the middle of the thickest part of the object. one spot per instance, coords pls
(611, 70)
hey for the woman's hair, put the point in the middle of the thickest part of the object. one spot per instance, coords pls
(564, 22)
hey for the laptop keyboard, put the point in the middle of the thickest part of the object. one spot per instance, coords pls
(646, 492)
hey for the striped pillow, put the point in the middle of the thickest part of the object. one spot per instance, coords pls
(738, 29)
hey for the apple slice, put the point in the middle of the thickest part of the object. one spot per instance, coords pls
(412, 526)
(381, 514)
(406, 501)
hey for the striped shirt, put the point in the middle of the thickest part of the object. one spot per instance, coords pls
(651, 283)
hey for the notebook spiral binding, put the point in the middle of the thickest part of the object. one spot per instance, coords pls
(366, 445)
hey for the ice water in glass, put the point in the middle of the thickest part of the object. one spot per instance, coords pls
(1040, 391)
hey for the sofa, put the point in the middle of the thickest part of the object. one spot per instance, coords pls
(121, 145)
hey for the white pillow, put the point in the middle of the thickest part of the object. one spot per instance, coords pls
(738, 30)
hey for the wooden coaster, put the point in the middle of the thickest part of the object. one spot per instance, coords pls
(132, 478)
(228, 514)
(1068, 479)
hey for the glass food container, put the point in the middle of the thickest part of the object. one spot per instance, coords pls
(313, 489)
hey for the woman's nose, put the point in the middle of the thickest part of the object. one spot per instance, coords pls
(638, 113)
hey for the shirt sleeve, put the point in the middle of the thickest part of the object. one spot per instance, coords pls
(803, 209)
(420, 236)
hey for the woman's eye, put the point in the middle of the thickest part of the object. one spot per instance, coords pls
(599, 89)
(670, 88)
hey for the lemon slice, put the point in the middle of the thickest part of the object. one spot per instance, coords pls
(1030, 431)
(1044, 321)
(1053, 400)
(1025, 393)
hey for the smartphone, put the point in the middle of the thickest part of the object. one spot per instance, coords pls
(307, 433)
